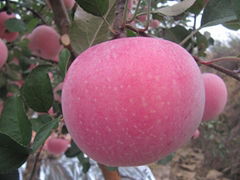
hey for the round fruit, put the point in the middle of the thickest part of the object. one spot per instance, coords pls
(44, 41)
(216, 96)
(132, 101)
(4, 33)
(56, 145)
(3, 53)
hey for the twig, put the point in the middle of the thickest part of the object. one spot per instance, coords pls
(35, 163)
(221, 59)
(139, 31)
(118, 27)
(36, 14)
(62, 21)
(219, 68)
(135, 13)
(189, 36)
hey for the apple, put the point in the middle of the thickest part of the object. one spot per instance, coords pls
(154, 23)
(3, 53)
(44, 41)
(4, 33)
(132, 101)
(216, 96)
(56, 145)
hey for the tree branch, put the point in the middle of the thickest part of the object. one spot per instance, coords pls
(118, 27)
(219, 68)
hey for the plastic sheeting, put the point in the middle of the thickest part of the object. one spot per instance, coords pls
(71, 169)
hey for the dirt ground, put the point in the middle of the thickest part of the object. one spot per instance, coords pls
(187, 164)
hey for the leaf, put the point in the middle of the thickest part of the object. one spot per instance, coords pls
(39, 122)
(166, 160)
(95, 7)
(197, 7)
(176, 34)
(13, 155)
(73, 150)
(176, 9)
(217, 12)
(88, 30)
(14, 121)
(13, 175)
(84, 161)
(233, 25)
(43, 133)
(37, 90)
(15, 25)
(236, 7)
(63, 62)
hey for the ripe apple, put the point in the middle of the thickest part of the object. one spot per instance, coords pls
(44, 41)
(56, 145)
(3, 53)
(216, 96)
(4, 33)
(132, 101)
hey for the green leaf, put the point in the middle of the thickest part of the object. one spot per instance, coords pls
(166, 160)
(15, 25)
(197, 7)
(13, 175)
(37, 90)
(13, 155)
(176, 9)
(84, 161)
(38, 123)
(73, 150)
(112, 168)
(176, 34)
(43, 133)
(233, 25)
(202, 44)
(95, 7)
(14, 121)
(88, 30)
(217, 12)
(236, 7)
(63, 62)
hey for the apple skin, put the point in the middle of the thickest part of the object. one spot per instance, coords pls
(56, 145)
(216, 96)
(3, 53)
(44, 41)
(132, 101)
(4, 34)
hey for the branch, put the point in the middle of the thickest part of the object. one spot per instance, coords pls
(139, 31)
(219, 68)
(36, 14)
(221, 59)
(118, 27)
(63, 23)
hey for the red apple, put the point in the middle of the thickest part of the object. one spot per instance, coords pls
(132, 101)
(56, 145)
(3, 53)
(44, 41)
(216, 96)
(4, 33)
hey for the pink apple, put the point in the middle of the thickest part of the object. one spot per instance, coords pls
(3, 53)
(132, 101)
(216, 96)
(4, 33)
(196, 134)
(56, 145)
(154, 23)
(44, 41)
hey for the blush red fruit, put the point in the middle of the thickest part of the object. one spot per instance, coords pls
(132, 101)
